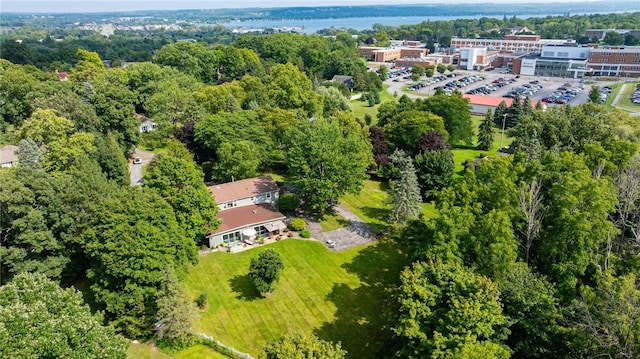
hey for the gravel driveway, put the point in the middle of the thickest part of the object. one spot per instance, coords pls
(135, 170)
(355, 234)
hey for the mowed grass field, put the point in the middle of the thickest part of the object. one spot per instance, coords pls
(337, 296)
(625, 98)
(371, 204)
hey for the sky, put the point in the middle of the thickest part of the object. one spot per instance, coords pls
(121, 5)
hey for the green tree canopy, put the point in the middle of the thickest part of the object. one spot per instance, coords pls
(265, 270)
(38, 319)
(176, 177)
(296, 346)
(445, 307)
(326, 161)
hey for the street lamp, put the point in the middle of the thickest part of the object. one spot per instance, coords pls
(504, 121)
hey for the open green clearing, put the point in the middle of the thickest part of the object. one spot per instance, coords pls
(371, 204)
(332, 221)
(464, 153)
(335, 295)
(361, 108)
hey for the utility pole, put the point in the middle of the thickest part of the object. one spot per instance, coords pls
(504, 121)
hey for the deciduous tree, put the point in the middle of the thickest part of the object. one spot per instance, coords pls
(296, 346)
(265, 270)
(326, 161)
(445, 307)
(38, 319)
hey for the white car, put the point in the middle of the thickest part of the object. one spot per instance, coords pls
(331, 243)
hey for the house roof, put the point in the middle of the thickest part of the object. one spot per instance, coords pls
(341, 78)
(8, 154)
(491, 101)
(244, 216)
(143, 118)
(243, 189)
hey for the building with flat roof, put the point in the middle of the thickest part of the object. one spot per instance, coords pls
(510, 43)
(616, 61)
(398, 49)
(476, 58)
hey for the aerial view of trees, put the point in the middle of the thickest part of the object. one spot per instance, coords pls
(533, 254)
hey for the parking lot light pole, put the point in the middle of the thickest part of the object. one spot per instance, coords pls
(504, 121)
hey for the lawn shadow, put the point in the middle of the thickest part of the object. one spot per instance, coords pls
(362, 320)
(245, 288)
(381, 214)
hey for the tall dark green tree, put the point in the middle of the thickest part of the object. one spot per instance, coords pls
(485, 132)
(406, 203)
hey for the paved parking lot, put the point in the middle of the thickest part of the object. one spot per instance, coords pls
(549, 85)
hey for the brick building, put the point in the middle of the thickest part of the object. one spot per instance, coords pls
(508, 44)
(616, 61)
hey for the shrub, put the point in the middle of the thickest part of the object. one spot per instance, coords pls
(201, 301)
(297, 224)
(305, 233)
(289, 202)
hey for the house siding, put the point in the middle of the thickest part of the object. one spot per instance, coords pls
(257, 199)
(216, 240)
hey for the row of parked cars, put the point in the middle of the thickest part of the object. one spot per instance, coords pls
(398, 73)
(563, 94)
(431, 81)
(493, 86)
(461, 82)
(635, 96)
(525, 90)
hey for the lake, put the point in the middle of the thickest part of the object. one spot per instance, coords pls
(310, 26)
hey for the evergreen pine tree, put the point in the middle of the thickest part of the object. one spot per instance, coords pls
(485, 132)
(176, 310)
(500, 111)
(405, 191)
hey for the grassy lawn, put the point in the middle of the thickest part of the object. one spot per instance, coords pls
(361, 108)
(371, 204)
(463, 153)
(146, 351)
(625, 99)
(615, 89)
(330, 222)
(335, 295)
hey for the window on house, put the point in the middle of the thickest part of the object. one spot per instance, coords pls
(144, 128)
(268, 195)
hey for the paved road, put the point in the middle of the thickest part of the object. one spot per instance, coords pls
(135, 170)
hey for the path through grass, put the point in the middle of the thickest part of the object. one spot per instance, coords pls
(336, 295)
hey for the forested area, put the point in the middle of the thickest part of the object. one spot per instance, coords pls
(531, 255)
(53, 46)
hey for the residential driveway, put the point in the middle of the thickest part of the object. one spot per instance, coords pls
(355, 234)
(135, 170)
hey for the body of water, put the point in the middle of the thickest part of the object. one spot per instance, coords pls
(310, 26)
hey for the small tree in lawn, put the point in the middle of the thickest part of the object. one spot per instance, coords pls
(405, 191)
(265, 270)
(485, 132)
(594, 94)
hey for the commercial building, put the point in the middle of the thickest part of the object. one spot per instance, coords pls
(616, 61)
(398, 49)
(555, 61)
(477, 58)
(510, 43)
